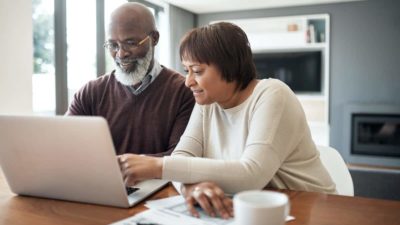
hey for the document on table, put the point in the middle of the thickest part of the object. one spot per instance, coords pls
(177, 205)
(171, 211)
(160, 217)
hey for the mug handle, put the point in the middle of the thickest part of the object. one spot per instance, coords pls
(287, 209)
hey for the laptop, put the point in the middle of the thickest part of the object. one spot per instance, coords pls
(68, 158)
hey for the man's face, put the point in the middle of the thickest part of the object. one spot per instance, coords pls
(133, 49)
(137, 75)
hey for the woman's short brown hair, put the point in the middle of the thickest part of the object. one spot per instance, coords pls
(224, 45)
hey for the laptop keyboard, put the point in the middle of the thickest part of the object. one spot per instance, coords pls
(130, 190)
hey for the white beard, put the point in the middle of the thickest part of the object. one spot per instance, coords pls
(138, 74)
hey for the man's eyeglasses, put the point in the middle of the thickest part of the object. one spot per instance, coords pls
(126, 45)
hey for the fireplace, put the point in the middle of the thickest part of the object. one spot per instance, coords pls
(375, 134)
(372, 135)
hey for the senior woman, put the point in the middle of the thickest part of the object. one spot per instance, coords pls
(243, 133)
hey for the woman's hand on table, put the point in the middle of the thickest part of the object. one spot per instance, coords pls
(210, 197)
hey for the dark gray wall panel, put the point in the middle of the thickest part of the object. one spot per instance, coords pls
(364, 67)
(365, 48)
(181, 21)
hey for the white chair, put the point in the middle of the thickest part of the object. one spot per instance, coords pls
(338, 170)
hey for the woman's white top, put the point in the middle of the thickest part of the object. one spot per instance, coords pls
(264, 141)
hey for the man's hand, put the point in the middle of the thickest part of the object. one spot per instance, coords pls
(210, 197)
(135, 168)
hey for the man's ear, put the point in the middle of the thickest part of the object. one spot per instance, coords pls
(155, 36)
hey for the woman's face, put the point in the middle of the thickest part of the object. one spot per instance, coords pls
(207, 85)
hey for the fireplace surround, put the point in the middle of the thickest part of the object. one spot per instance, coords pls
(371, 135)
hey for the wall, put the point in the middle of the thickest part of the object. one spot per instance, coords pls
(365, 47)
(16, 57)
(364, 68)
(181, 21)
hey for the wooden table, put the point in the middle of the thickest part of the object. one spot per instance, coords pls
(308, 208)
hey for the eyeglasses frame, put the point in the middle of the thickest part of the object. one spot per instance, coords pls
(124, 45)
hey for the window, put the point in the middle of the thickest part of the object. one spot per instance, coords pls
(81, 44)
(77, 28)
(43, 81)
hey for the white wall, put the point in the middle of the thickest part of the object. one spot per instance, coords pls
(16, 57)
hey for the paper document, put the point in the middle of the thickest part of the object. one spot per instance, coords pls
(160, 217)
(177, 204)
(171, 211)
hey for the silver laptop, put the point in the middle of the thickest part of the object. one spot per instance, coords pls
(67, 158)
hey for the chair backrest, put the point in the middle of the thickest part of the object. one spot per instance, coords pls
(338, 170)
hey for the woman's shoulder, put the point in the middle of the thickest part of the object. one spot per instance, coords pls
(269, 86)
(272, 83)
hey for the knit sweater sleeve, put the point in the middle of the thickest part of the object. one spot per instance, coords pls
(272, 132)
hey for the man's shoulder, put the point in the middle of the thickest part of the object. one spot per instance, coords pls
(171, 75)
(172, 83)
(100, 84)
(106, 78)
(101, 81)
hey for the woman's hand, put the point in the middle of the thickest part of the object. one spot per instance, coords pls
(135, 168)
(210, 197)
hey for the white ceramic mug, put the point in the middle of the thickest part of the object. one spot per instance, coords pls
(260, 208)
